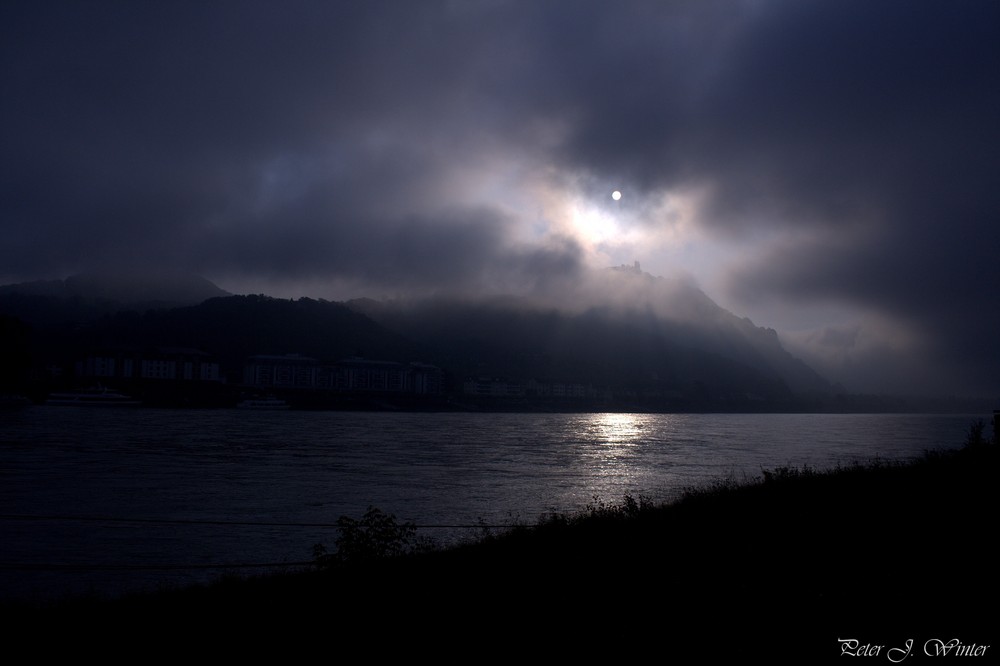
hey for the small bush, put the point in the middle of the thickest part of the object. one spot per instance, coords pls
(975, 437)
(631, 507)
(376, 536)
(786, 473)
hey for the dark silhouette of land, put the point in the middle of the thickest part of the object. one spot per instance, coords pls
(631, 343)
(776, 571)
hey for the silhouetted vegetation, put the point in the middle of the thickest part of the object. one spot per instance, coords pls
(375, 536)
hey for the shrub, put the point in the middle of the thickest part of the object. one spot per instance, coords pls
(376, 536)
(975, 437)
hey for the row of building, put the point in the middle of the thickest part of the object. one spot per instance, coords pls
(352, 374)
(291, 371)
(296, 372)
(168, 363)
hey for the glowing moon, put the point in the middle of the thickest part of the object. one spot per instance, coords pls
(616, 195)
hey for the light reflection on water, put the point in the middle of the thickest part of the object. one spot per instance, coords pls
(610, 448)
(313, 467)
(617, 429)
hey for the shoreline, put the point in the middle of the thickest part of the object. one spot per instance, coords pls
(885, 550)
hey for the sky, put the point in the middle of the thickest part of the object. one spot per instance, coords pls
(826, 168)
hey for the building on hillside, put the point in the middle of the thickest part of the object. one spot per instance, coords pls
(291, 371)
(492, 387)
(359, 374)
(423, 379)
(354, 374)
(156, 363)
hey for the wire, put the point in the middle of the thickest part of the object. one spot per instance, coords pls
(248, 523)
(24, 566)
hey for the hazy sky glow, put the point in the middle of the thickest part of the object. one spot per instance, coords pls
(827, 168)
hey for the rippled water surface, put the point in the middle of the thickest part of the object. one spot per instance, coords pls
(115, 496)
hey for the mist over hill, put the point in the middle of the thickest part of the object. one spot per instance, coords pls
(657, 342)
(620, 328)
(86, 296)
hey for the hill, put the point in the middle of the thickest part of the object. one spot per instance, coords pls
(662, 341)
(87, 296)
(618, 339)
(236, 327)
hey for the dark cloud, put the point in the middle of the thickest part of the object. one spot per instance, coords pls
(386, 143)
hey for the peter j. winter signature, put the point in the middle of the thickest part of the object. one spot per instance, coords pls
(935, 647)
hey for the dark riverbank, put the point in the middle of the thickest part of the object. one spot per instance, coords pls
(778, 570)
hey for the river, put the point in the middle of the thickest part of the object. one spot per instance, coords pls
(112, 500)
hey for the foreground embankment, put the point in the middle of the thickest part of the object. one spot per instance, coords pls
(786, 569)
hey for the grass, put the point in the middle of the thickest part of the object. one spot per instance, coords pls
(788, 563)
